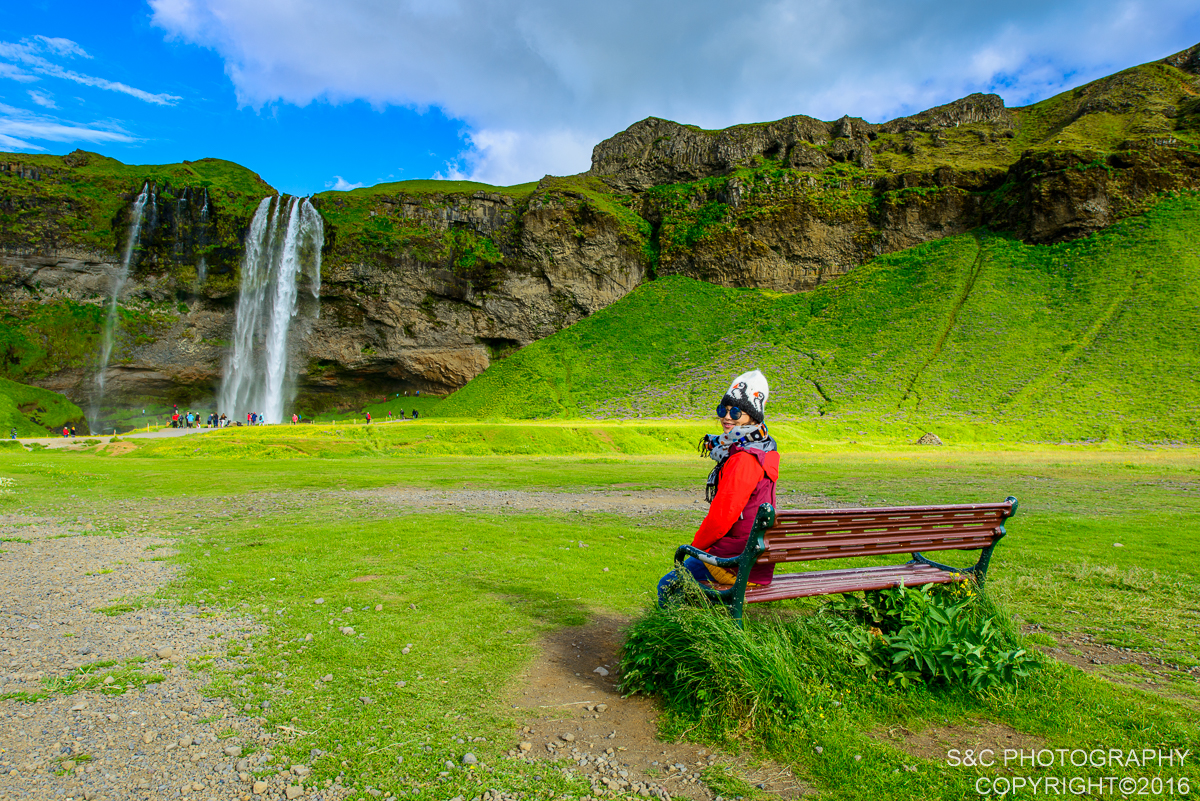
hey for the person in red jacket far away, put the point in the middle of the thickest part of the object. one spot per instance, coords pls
(747, 469)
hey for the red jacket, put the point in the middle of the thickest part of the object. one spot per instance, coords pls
(748, 479)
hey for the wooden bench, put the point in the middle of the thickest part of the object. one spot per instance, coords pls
(806, 535)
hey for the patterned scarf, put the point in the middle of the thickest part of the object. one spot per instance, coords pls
(717, 447)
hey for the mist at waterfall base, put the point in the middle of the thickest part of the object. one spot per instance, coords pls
(284, 242)
(108, 333)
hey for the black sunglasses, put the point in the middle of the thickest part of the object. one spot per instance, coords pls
(734, 412)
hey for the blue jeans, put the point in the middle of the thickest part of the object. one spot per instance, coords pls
(692, 565)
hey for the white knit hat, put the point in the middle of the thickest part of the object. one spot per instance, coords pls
(749, 393)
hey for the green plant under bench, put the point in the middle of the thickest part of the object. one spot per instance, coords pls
(805, 535)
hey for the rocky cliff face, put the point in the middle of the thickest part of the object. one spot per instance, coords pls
(656, 151)
(509, 272)
(425, 283)
(422, 296)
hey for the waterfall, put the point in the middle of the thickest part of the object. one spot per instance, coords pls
(108, 333)
(202, 265)
(285, 240)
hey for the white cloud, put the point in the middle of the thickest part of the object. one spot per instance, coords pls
(15, 145)
(42, 98)
(18, 126)
(62, 47)
(15, 73)
(162, 99)
(540, 81)
(507, 157)
(32, 55)
(341, 184)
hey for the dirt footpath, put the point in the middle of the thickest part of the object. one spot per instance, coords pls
(576, 715)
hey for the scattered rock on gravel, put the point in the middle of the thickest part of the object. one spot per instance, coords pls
(147, 730)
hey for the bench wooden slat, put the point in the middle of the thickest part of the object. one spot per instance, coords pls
(848, 553)
(959, 532)
(955, 541)
(785, 523)
(862, 511)
(826, 547)
(804, 585)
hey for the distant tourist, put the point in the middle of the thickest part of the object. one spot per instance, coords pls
(295, 418)
(368, 418)
(415, 413)
(72, 432)
(744, 477)
(65, 432)
(13, 434)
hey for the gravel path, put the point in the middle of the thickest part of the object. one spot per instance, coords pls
(76, 443)
(111, 704)
(634, 503)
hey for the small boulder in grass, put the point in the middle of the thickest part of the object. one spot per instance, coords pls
(929, 439)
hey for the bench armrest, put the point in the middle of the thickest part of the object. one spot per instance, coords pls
(735, 596)
(684, 551)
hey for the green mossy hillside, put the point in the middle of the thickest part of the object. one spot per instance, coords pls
(41, 338)
(418, 220)
(36, 412)
(84, 201)
(470, 229)
(1091, 339)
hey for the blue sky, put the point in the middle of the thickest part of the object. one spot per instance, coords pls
(313, 94)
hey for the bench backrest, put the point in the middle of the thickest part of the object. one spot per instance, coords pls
(801, 535)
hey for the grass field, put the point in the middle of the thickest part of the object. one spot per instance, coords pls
(473, 592)
(35, 412)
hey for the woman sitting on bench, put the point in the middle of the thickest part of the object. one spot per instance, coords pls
(747, 469)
